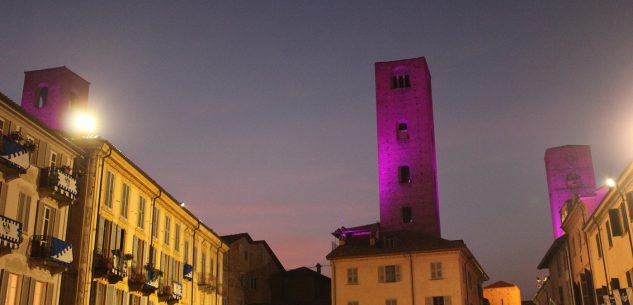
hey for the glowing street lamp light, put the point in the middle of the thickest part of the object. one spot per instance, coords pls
(610, 182)
(84, 123)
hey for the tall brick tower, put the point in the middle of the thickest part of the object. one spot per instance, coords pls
(569, 172)
(52, 94)
(406, 147)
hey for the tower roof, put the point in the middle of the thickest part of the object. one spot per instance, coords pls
(500, 284)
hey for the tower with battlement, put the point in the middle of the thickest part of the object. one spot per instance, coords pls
(406, 147)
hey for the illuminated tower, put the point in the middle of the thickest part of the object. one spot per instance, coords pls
(569, 172)
(406, 147)
(52, 94)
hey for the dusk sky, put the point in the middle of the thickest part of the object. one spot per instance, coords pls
(260, 115)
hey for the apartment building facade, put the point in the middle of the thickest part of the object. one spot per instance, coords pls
(38, 187)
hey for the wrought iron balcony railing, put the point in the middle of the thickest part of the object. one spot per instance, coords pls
(144, 279)
(112, 265)
(59, 184)
(170, 292)
(51, 252)
(206, 281)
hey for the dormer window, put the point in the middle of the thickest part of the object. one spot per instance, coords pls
(42, 97)
(400, 81)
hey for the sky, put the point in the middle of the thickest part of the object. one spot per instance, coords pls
(260, 115)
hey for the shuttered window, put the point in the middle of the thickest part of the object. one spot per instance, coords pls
(24, 209)
(616, 222)
(389, 274)
(436, 271)
(167, 227)
(177, 238)
(109, 189)
(155, 218)
(125, 199)
(141, 212)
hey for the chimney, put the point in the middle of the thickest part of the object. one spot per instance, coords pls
(318, 266)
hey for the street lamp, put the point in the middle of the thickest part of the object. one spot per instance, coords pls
(614, 185)
(84, 124)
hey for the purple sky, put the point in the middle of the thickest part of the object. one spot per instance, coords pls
(261, 115)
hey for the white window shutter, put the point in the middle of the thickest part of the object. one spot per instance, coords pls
(126, 298)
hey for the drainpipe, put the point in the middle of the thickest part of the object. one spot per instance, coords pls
(88, 270)
(217, 271)
(193, 262)
(411, 273)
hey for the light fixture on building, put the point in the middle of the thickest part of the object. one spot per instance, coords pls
(610, 182)
(182, 204)
(84, 124)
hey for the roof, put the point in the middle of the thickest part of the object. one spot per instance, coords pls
(500, 284)
(544, 264)
(305, 271)
(55, 133)
(61, 68)
(229, 239)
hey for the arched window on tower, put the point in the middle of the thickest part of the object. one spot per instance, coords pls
(404, 174)
(42, 97)
(403, 132)
(400, 78)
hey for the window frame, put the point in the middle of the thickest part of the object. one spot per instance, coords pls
(436, 271)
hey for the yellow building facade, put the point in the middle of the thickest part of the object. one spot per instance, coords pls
(38, 187)
(136, 243)
(503, 293)
(403, 269)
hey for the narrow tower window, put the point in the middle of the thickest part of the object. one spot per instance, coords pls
(407, 215)
(42, 96)
(404, 174)
(403, 132)
(400, 81)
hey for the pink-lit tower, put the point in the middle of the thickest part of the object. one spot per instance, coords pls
(406, 147)
(569, 172)
(52, 94)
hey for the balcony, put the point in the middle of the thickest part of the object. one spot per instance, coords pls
(145, 281)
(187, 272)
(50, 252)
(206, 281)
(15, 155)
(112, 266)
(59, 184)
(170, 292)
(10, 234)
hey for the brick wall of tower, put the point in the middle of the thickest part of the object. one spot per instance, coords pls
(412, 106)
(62, 85)
(569, 172)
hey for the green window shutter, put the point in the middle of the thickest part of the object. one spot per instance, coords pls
(381, 274)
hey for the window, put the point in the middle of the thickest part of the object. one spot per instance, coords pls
(352, 303)
(39, 293)
(254, 283)
(389, 274)
(403, 132)
(167, 227)
(438, 300)
(1, 126)
(177, 238)
(42, 97)
(125, 198)
(609, 235)
(389, 242)
(407, 216)
(436, 271)
(141, 212)
(616, 222)
(12, 290)
(24, 209)
(109, 189)
(155, 219)
(186, 251)
(391, 302)
(598, 246)
(46, 220)
(352, 276)
(245, 255)
(404, 175)
(204, 263)
(53, 159)
(400, 81)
